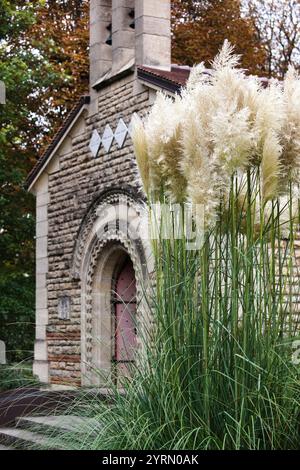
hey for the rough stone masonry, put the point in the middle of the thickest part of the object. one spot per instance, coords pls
(89, 164)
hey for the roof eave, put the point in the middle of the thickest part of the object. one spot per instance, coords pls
(108, 79)
(158, 82)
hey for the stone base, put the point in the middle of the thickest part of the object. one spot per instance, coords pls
(41, 370)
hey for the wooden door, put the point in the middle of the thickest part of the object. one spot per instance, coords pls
(125, 319)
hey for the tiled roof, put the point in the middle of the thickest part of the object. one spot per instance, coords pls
(178, 75)
(172, 80)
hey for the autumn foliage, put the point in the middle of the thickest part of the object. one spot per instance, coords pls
(200, 28)
(61, 32)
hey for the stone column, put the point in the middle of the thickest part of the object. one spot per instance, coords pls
(2, 353)
(40, 366)
(153, 33)
(100, 51)
(123, 36)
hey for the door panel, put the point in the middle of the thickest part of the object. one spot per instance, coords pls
(125, 318)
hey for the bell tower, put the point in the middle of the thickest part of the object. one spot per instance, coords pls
(124, 33)
(100, 39)
(153, 33)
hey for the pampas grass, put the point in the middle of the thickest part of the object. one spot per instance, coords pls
(217, 369)
(291, 130)
(225, 122)
(270, 167)
(163, 137)
(217, 373)
(141, 151)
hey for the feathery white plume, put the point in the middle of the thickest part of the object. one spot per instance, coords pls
(270, 167)
(224, 123)
(140, 146)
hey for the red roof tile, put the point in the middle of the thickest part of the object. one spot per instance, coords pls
(177, 75)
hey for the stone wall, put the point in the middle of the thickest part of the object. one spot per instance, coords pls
(74, 184)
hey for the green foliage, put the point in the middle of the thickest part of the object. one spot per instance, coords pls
(17, 316)
(25, 72)
(15, 376)
(15, 17)
(38, 50)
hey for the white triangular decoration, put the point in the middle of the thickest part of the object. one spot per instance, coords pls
(121, 133)
(95, 143)
(107, 138)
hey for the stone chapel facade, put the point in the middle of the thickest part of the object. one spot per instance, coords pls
(83, 257)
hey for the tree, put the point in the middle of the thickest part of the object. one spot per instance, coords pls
(200, 28)
(277, 26)
(44, 65)
(26, 74)
(61, 32)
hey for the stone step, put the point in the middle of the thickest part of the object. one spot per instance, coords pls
(47, 432)
(23, 439)
(53, 425)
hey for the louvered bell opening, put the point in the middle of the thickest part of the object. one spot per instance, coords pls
(132, 16)
(109, 39)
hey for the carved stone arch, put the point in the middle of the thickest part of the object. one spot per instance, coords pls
(132, 196)
(107, 233)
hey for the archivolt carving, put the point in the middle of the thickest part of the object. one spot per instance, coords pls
(99, 247)
(94, 237)
(113, 196)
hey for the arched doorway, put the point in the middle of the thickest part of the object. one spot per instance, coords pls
(124, 311)
(106, 240)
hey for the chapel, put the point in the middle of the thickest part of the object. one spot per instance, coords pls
(90, 268)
